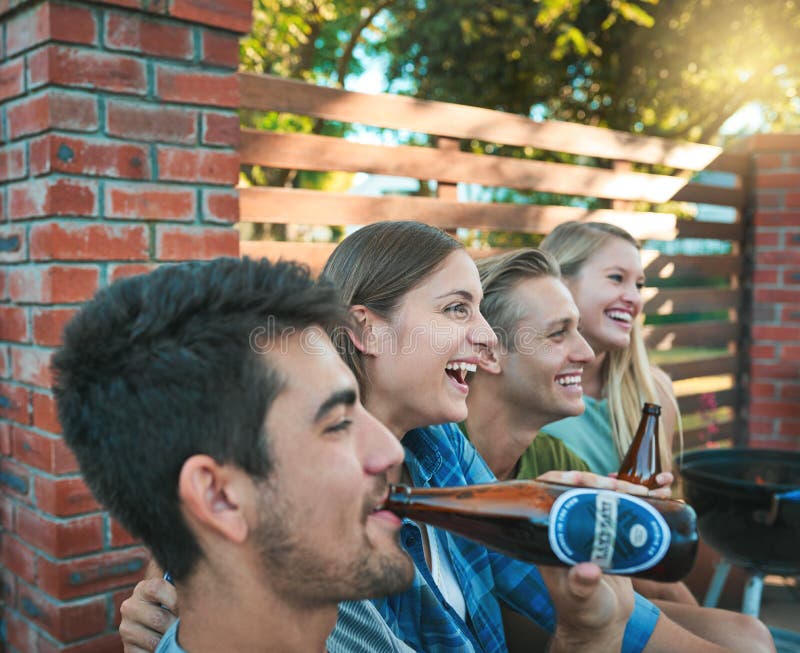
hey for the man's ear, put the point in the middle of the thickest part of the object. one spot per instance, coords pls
(489, 361)
(363, 335)
(215, 496)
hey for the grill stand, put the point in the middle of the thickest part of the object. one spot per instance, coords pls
(751, 601)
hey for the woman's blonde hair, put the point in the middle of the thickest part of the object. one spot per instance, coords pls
(628, 379)
(376, 266)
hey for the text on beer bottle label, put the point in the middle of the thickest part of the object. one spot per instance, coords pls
(619, 532)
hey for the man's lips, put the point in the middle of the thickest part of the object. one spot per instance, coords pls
(381, 512)
(569, 379)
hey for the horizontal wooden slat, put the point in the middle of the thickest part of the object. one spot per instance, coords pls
(297, 206)
(706, 194)
(669, 301)
(694, 403)
(312, 254)
(696, 334)
(270, 93)
(718, 230)
(690, 369)
(315, 254)
(663, 266)
(311, 152)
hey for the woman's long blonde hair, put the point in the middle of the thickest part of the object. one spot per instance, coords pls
(627, 375)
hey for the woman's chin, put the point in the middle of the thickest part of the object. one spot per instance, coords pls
(615, 342)
(458, 413)
(450, 411)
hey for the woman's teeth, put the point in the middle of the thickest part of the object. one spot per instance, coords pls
(619, 315)
(464, 367)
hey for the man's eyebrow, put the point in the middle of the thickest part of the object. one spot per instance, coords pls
(461, 293)
(347, 397)
(562, 321)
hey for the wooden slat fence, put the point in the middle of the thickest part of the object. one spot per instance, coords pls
(694, 296)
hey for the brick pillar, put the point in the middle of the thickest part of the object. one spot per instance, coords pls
(774, 389)
(117, 152)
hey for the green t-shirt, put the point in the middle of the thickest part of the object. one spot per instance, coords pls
(545, 454)
(589, 436)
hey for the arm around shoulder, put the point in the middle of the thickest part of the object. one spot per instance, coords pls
(148, 613)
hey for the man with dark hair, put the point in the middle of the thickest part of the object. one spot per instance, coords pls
(212, 416)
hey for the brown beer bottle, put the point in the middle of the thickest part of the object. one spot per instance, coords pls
(642, 463)
(554, 524)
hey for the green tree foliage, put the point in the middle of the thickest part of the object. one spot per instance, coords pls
(313, 40)
(675, 68)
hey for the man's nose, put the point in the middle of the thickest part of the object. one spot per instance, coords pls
(381, 448)
(582, 352)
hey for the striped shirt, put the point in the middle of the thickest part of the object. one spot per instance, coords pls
(361, 629)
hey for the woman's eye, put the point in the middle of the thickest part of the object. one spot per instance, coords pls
(615, 277)
(339, 426)
(461, 310)
(639, 285)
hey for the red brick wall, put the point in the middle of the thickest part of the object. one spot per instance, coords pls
(118, 129)
(775, 351)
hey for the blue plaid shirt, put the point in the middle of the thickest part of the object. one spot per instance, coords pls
(440, 456)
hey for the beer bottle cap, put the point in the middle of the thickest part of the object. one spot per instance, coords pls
(652, 409)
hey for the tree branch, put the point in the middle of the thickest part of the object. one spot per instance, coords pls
(355, 37)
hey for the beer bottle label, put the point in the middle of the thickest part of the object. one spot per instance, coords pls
(620, 533)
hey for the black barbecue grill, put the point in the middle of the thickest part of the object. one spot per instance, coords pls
(748, 509)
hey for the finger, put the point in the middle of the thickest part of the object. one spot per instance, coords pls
(598, 481)
(583, 580)
(144, 621)
(137, 615)
(159, 592)
(632, 488)
(665, 479)
(661, 493)
(578, 479)
(589, 479)
(138, 639)
(564, 478)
